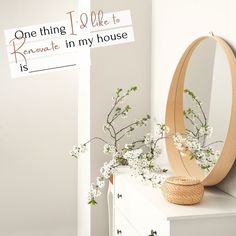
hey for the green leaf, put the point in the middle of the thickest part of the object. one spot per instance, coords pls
(118, 90)
(127, 108)
(134, 88)
(92, 202)
(131, 128)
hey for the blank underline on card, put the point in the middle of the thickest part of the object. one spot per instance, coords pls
(52, 68)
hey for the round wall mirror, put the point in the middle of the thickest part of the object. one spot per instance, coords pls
(201, 111)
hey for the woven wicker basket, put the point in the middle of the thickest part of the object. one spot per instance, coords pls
(182, 190)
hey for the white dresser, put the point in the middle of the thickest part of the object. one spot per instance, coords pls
(140, 210)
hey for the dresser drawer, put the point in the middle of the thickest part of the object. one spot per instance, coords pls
(140, 213)
(122, 227)
(149, 222)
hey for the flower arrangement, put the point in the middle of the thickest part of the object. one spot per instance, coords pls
(139, 154)
(193, 142)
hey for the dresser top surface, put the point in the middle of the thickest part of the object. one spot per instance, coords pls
(215, 203)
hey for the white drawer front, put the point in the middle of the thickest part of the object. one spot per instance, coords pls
(122, 226)
(138, 211)
(149, 223)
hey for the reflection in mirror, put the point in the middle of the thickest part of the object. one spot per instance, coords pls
(206, 110)
(203, 88)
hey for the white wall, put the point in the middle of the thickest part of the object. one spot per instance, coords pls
(38, 126)
(38, 180)
(175, 25)
(118, 66)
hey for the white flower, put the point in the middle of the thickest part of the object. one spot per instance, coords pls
(157, 152)
(133, 154)
(206, 157)
(94, 192)
(148, 140)
(109, 149)
(157, 180)
(128, 146)
(83, 148)
(116, 154)
(179, 141)
(167, 129)
(138, 123)
(145, 170)
(217, 153)
(160, 129)
(202, 130)
(201, 155)
(183, 154)
(192, 143)
(100, 182)
(108, 168)
(209, 131)
(157, 130)
(206, 130)
(77, 150)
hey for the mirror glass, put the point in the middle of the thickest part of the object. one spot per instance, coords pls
(207, 103)
(201, 111)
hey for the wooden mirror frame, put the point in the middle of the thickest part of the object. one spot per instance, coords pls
(175, 120)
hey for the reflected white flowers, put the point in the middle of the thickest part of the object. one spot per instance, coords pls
(206, 130)
(159, 129)
(156, 152)
(148, 140)
(205, 156)
(207, 159)
(193, 143)
(179, 141)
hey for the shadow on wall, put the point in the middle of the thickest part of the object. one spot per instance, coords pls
(229, 183)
